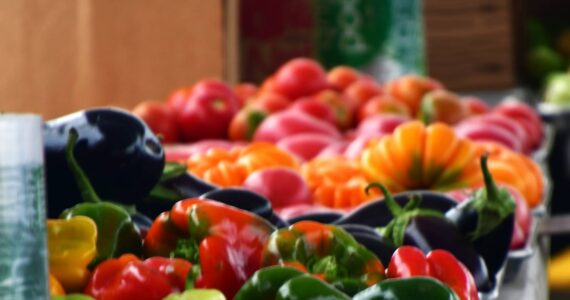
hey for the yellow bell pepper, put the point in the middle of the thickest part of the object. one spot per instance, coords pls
(559, 272)
(72, 245)
(55, 288)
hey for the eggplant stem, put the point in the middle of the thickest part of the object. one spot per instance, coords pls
(490, 186)
(392, 205)
(88, 193)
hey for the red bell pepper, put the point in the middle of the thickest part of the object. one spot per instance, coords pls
(127, 277)
(225, 241)
(410, 261)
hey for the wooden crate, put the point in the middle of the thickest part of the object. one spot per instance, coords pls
(470, 44)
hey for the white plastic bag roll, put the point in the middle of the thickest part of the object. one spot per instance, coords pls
(23, 249)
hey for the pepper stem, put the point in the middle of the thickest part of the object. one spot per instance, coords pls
(490, 186)
(88, 193)
(392, 205)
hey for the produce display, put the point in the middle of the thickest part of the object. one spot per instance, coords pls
(313, 185)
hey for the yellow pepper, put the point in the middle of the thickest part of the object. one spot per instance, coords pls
(55, 288)
(72, 245)
(559, 271)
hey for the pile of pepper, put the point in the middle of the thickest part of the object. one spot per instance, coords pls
(204, 249)
(213, 239)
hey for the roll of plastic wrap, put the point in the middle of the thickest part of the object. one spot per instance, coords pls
(23, 249)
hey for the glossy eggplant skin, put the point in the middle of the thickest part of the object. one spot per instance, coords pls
(422, 233)
(321, 217)
(118, 152)
(179, 187)
(246, 200)
(376, 213)
(494, 246)
(369, 238)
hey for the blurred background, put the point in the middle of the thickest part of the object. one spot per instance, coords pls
(67, 55)
(57, 57)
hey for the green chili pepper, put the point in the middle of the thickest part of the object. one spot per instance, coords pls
(116, 232)
(413, 288)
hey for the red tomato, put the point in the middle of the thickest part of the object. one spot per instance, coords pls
(244, 124)
(314, 108)
(306, 145)
(270, 102)
(475, 106)
(343, 107)
(300, 77)
(287, 123)
(384, 124)
(362, 90)
(178, 98)
(207, 112)
(382, 104)
(341, 77)
(160, 118)
(410, 89)
(282, 186)
(526, 116)
(244, 91)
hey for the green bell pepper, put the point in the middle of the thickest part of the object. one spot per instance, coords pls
(309, 288)
(278, 282)
(325, 250)
(412, 288)
(116, 232)
(263, 285)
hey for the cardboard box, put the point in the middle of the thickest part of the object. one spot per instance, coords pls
(60, 56)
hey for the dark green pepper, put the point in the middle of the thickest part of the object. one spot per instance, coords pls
(413, 288)
(263, 285)
(309, 288)
(116, 232)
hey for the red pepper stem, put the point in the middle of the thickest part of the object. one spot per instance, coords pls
(490, 186)
(88, 193)
(392, 205)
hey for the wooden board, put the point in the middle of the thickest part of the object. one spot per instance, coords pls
(470, 44)
(60, 56)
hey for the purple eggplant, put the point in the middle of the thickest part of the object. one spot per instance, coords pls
(428, 229)
(487, 219)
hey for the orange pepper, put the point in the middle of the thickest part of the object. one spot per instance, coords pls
(420, 157)
(336, 182)
(227, 168)
(514, 169)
